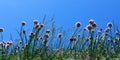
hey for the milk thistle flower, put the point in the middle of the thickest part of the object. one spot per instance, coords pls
(78, 24)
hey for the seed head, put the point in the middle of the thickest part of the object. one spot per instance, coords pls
(78, 24)
(23, 23)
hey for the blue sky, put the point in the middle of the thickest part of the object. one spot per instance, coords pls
(66, 12)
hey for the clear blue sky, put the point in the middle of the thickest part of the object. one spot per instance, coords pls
(66, 12)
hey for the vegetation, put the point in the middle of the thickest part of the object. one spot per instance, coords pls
(47, 42)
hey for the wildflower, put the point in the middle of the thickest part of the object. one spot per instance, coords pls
(1, 29)
(101, 29)
(106, 34)
(78, 35)
(89, 27)
(78, 24)
(20, 42)
(59, 35)
(91, 21)
(45, 42)
(109, 24)
(2, 44)
(24, 31)
(99, 32)
(84, 29)
(46, 35)
(47, 31)
(42, 25)
(94, 25)
(9, 43)
(107, 30)
(117, 33)
(116, 40)
(31, 34)
(72, 39)
(37, 27)
(23, 23)
(92, 31)
(35, 22)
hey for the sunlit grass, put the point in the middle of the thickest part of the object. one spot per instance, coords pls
(47, 42)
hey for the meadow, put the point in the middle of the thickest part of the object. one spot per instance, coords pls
(45, 41)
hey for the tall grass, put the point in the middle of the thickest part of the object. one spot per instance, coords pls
(47, 42)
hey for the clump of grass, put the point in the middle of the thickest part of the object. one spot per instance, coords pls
(47, 42)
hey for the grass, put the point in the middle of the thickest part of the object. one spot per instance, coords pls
(47, 42)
